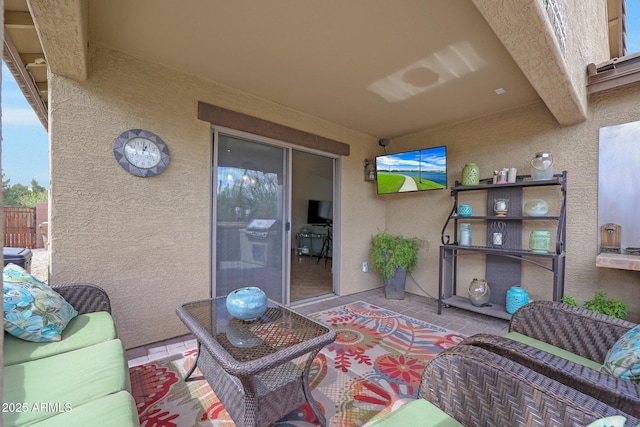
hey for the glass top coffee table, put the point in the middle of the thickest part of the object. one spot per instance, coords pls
(258, 369)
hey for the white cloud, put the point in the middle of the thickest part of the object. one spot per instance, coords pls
(19, 117)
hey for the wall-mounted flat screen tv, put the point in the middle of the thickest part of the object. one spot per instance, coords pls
(320, 212)
(418, 170)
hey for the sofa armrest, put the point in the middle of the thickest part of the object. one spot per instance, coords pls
(479, 388)
(85, 297)
(616, 392)
(577, 330)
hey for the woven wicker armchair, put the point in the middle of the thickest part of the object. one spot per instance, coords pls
(478, 387)
(84, 297)
(579, 331)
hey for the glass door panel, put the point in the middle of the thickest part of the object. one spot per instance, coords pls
(251, 232)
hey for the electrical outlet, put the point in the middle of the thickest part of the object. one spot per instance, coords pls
(365, 266)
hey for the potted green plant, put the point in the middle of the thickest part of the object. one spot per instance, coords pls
(394, 256)
(601, 304)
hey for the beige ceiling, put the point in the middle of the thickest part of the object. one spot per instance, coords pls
(321, 57)
(385, 68)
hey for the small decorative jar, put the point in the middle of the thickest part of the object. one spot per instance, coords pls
(470, 174)
(465, 210)
(500, 207)
(479, 292)
(247, 303)
(540, 241)
(542, 166)
(465, 234)
(516, 298)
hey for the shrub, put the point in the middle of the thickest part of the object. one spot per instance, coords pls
(611, 307)
(389, 252)
(601, 304)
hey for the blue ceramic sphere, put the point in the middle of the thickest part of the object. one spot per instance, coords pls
(247, 303)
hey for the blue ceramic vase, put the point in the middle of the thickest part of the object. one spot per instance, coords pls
(516, 298)
(247, 303)
(465, 210)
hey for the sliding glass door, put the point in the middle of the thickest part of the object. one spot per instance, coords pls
(251, 236)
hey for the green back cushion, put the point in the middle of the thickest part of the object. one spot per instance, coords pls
(553, 350)
(82, 331)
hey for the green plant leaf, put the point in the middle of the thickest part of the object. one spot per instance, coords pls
(389, 252)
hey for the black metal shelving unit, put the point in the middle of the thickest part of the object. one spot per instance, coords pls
(503, 262)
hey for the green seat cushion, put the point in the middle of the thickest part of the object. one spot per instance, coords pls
(82, 331)
(418, 413)
(118, 409)
(69, 379)
(553, 350)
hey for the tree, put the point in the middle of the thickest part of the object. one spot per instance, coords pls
(19, 195)
(37, 188)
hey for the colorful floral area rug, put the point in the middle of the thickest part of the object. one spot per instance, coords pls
(372, 368)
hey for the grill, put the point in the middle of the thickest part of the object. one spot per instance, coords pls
(261, 242)
(259, 229)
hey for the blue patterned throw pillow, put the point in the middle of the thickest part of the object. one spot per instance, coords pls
(32, 310)
(623, 359)
(613, 421)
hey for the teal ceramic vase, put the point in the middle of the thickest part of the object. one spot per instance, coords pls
(465, 210)
(247, 303)
(516, 298)
(470, 174)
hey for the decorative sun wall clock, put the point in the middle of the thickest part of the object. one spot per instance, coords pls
(141, 153)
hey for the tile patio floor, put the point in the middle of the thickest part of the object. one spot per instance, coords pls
(418, 307)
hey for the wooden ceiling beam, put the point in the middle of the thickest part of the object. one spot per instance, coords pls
(25, 81)
(14, 19)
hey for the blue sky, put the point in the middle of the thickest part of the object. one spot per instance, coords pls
(428, 159)
(25, 145)
(633, 26)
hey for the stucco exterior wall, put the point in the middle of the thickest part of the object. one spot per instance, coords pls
(511, 139)
(146, 240)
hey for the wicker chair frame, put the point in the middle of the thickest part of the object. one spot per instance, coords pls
(478, 387)
(578, 331)
(84, 297)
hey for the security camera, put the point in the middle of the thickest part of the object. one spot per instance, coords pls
(383, 142)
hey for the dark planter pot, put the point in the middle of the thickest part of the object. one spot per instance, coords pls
(394, 288)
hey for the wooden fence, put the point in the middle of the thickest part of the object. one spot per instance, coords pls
(20, 227)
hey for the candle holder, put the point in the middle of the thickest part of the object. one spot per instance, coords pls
(501, 206)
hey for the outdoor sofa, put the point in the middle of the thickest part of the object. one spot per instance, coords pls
(470, 386)
(81, 380)
(570, 344)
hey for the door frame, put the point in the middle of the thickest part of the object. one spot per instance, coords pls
(213, 173)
